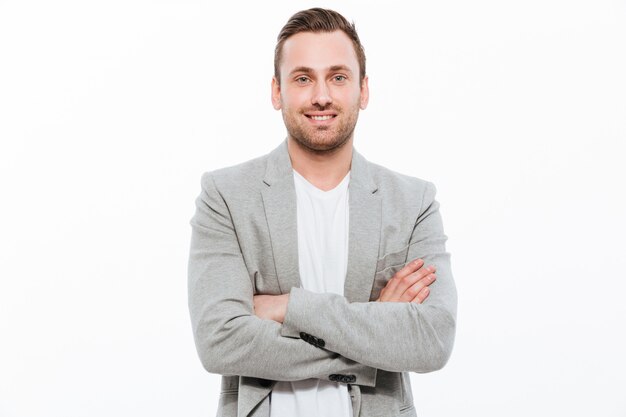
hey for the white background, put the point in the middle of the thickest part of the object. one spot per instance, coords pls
(111, 110)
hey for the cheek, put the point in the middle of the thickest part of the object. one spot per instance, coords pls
(293, 97)
(351, 96)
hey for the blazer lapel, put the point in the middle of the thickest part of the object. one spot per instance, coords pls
(279, 200)
(250, 395)
(364, 231)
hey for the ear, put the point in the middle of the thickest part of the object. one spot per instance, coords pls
(365, 93)
(276, 102)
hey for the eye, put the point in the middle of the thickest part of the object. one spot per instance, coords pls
(302, 79)
(339, 78)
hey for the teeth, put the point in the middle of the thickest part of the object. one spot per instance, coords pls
(321, 117)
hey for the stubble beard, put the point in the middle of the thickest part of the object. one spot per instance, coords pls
(322, 139)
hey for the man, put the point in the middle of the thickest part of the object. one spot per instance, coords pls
(312, 285)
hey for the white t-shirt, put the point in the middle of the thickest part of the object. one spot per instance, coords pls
(323, 260)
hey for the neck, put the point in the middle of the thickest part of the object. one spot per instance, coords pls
(323, 170)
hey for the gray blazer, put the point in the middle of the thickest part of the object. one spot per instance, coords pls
(244, 242)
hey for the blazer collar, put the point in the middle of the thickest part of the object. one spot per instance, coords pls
(279, 199)
(279, 168)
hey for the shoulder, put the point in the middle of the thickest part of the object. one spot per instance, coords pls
(398, 186)
(242, 175)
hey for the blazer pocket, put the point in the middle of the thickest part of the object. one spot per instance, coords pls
(392, 259)
(227, 404)
(408, 411)
(386, 267)
(265, 283)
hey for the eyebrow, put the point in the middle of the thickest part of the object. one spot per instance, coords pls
(332, 68)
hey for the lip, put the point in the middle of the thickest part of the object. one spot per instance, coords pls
(310, 115)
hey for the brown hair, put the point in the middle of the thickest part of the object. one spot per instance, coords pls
(318, 20)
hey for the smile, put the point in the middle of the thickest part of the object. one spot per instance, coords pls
(321, 118)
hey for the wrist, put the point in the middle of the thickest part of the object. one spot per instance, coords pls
(282, 307)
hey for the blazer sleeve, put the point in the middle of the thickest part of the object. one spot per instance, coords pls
(229, 338)
(392, 336)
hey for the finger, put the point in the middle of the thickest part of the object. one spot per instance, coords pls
(405, 283)
(408, 269)
(415, 289)
(421, 296)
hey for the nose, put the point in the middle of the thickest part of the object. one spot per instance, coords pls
(321, 95)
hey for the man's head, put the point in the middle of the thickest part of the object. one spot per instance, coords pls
(319, 82)
(318, 20)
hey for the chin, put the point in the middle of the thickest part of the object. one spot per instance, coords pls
(322, 140)
(321, 146)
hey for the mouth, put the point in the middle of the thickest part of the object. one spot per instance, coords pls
(320, 117)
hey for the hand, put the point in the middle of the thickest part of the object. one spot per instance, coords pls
(271, 307)
(410, 284)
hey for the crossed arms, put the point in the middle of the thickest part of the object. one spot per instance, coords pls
(410, 284)
(234, 336)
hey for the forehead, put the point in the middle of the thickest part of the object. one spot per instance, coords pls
(318, 51)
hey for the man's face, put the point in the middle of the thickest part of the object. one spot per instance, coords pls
(319, 93)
